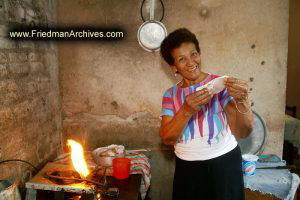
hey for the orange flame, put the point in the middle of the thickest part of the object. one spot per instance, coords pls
(78, 158)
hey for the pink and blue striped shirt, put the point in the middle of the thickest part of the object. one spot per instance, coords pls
(209, 124)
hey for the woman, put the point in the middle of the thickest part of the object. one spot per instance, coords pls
(202, 125)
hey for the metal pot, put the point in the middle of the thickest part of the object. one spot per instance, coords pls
(151, 33)
(105, 161)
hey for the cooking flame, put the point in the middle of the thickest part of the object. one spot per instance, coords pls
(78, 158)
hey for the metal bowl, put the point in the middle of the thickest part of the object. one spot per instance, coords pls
(105, 161)
(150, 35)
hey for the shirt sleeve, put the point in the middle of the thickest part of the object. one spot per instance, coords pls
(167, 104)
(225, 98)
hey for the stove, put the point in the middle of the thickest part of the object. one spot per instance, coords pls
(66, 183)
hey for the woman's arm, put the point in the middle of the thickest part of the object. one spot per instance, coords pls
(240, 124)
(172, 126)
(238, 113)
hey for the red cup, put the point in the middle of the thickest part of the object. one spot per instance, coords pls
(121, 168)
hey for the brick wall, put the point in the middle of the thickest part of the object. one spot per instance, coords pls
(30, 111)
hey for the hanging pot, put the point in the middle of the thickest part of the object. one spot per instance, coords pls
(151, 33)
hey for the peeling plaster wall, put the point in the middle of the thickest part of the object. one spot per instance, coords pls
(293, 89)
(112, 91)
(30, 104)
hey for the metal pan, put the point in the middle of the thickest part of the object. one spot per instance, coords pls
(151, 33)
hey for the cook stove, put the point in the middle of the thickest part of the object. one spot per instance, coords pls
(67, 184)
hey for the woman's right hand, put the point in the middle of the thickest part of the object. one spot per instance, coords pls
(193, 102)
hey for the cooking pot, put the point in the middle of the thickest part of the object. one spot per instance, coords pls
(105, 161)
(151, 33)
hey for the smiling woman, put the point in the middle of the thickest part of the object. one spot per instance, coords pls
(187, 62)
(202, 124)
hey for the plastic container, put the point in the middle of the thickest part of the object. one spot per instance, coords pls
(121, 167)
(249, 164)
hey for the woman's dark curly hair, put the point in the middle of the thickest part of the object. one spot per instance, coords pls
(174, 40)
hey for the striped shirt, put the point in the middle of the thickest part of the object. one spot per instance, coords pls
(207, 134)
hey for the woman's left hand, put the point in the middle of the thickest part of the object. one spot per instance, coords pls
(236, 88)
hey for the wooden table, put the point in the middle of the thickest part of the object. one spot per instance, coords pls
(129, 188)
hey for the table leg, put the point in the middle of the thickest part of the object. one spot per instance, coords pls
(31, 194)
(59, 195)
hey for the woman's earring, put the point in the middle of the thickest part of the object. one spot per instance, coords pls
(176, 74)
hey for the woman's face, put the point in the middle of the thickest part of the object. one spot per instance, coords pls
(187, 61)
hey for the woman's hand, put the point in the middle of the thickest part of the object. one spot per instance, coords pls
(239, 115)
(237, 88)
(193, 102)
